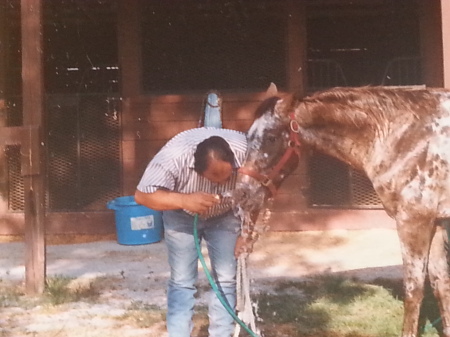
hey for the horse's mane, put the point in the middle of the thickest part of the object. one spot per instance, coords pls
(367, 106)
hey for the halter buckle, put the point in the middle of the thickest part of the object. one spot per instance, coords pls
(266, 182)
(295, 127)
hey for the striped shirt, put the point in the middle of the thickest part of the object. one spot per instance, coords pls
(172, 168)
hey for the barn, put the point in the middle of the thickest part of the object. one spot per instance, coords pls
(90, 90)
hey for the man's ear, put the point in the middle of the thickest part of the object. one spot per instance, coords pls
(271, 90)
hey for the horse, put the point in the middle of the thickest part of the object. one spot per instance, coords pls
(400, 138)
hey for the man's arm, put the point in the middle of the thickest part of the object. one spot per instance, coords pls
(162, 200)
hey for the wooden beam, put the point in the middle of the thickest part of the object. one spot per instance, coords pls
(10, 135)
(63, 223)
(33, 110)
(431, 42)
(13, 135)
(3, 83)
(130, 65)
(295, 14)
(129, 44)
(445, 19)
(296, 75)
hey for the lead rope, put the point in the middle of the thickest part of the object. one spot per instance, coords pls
(244, 304)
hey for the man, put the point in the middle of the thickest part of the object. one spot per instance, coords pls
(186, 177)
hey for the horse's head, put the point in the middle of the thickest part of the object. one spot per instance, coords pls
(272, 154)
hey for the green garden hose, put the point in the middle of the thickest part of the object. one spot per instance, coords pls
(214, 285)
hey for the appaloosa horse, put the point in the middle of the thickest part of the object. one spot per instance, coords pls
(400, 138)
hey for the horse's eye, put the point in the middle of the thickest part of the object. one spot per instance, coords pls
(271, 139)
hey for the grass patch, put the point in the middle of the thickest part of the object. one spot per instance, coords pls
(319, 307)
(143, 315)
(61, 289)
(331, 306)
(58, 290)
(201, 321)
(10, 295)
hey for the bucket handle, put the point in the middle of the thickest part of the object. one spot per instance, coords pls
(112, 204)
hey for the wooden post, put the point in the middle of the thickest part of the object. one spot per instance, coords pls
(3, 56)
(129, 43)
(33, 145)
(296, 80)
(431, 41)
(445, 19)
(130, 64)
(296, 45)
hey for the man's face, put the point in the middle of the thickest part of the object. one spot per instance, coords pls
(218, 171)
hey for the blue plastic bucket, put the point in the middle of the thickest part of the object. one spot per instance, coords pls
(135, 224)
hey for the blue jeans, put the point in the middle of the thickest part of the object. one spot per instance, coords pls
(220, 234)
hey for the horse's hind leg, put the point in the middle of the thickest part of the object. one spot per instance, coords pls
(438, 271)
(415, 239)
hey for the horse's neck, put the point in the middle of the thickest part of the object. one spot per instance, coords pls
(339, 130)
(340, 147)
(368, 136)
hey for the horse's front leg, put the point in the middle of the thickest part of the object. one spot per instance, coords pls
(438, 271)
(415, 240)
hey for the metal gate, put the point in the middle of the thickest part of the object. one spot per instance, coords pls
(83, 158)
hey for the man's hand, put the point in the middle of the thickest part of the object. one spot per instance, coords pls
(244, 245)
(199, 202)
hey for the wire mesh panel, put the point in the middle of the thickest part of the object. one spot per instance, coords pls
(13, 158)
(362, 193)
(329, 181)
(335, 184)
(15, 179)
(99, 151)
(83, 158)
(83, 151)
(63, 151)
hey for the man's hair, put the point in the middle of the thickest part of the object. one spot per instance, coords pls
(213, 147)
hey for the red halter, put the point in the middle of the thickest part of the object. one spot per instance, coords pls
(293, 148)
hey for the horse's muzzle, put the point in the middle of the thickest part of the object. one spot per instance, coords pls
(249, 194)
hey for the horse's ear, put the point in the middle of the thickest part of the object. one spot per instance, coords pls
(272, 90)
(284, 105)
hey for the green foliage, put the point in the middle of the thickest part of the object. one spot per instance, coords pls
(331, 306)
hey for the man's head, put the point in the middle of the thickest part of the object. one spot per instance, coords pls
(214, 159)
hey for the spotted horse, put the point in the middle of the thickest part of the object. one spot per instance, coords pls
(400, 137)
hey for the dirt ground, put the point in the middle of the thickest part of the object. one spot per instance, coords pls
(126, 275)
